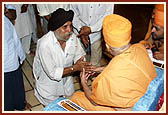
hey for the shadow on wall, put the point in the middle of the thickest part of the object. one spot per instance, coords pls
(139, 15)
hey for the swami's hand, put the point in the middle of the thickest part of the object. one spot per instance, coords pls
(84, 76)
(95, 69)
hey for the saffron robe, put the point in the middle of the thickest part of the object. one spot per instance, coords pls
(122, 83)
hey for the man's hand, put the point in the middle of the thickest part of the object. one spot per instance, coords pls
(85, 30)
(80, 64)
(85, 40)
(158, 55)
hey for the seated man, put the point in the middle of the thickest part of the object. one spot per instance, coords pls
(158, 35)
(158, 31)
(157, 41)
(58, 55)
(127, 76)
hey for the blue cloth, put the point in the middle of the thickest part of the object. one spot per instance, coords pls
(149, 101)
(54, 106)
(13, 51)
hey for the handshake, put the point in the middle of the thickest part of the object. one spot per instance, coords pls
(87, 68)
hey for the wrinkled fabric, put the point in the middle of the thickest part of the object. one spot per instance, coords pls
(14, 54)
(116, 30)
(124, 81)
(91, 15)
(48, 66)
(47, 9)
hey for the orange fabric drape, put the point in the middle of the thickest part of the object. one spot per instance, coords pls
(123, 82)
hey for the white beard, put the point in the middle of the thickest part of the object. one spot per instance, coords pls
(59, 37)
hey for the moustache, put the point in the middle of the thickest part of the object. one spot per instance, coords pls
(68, 33)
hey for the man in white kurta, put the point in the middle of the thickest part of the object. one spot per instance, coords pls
(92, 15)
(51, 60)
(24, 27)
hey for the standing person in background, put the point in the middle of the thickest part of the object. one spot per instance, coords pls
(31, 11)
(14, 93)
(24, 26)
(11, 13)
(88, 21)
(45, 11)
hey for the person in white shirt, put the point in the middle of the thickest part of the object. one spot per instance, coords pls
(58, 55)
(11, 13)
(24, 26)
(88, 21)
(14, 93)
(31, 9)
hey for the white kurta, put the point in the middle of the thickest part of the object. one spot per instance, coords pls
(47, 9)
(24, 27)
(23, 23)
(91, 15)
(48, 66)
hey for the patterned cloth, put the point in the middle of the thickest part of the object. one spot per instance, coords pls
(150, 100)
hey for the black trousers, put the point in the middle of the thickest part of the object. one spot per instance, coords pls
(14, 93)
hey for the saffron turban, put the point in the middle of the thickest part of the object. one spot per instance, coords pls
(59, 18)
(159, 15)
(116, 30)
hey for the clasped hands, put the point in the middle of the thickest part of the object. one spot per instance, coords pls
(87, 67)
